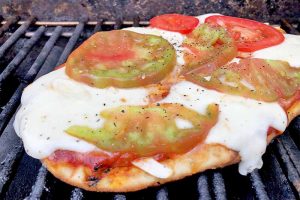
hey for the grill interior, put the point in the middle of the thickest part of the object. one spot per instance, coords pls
(31, 48)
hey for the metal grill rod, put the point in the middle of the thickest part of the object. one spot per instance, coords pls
(292, 174)
(43, 55)
(291, 149)
(75, 23)
(279, 177)
(22, 54)
(219, 186)
(10, 22)
(71, 43)
(36, 192)
(162, 194)
(258, 185)
(76, 194)
(202, 185)
(15, 36)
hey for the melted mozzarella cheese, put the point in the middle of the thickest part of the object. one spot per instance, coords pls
(288, 50)
(203, 17)
(153, 167)
(242, 125)
(183, 123)
(55, 102)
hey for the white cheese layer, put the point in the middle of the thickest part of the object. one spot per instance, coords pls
(54, 102)
(288, 50)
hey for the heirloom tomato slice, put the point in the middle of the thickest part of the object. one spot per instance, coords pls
(122, 59)
(265, 80)
(208, 47)
(149, 130)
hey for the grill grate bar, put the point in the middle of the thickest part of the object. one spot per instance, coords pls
(203, 189)
(43, 55)
(98, 26)
(22, 54)
(258, 185)
(10, 22)
(292, 174)
(36, 192)
(15, 36)
(12, 146)
(75, 23)
(291, 150)
(219, 186)
(71, 43)
(118, 24)
(119, 197)
(162, 194)
(76, 194)
(10, 106)
(288, 27)
(136, 21)
(275, 177)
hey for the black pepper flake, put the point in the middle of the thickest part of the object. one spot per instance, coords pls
(123, 111)
(93, 180)
(104, 104)
(48, 138)
(106, 171)
(98, 166)
(115, 124)
(158, 104)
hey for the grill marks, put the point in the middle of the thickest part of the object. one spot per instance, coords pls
(279, 177)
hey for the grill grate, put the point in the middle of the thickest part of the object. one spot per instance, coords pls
(50, 43)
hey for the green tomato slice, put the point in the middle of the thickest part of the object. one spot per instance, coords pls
(148, 130)
(265, 80)
(208, 47)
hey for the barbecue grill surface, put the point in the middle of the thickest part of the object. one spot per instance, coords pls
(29, 50)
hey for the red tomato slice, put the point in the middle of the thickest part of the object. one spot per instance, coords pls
(175, 22)
(121, 59)
(249, 35)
